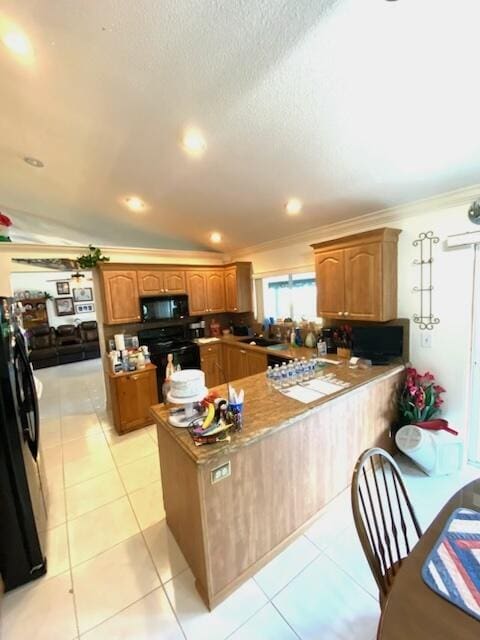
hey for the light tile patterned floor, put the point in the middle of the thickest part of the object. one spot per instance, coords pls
(116, 572)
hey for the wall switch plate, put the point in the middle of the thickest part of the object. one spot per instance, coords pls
(221, 472)
(426, 340)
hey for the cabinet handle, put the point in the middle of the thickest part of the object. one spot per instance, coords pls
(210, 348)
(234, 308)
(345, 313)
(135, 377)
(242, 351)
(340, 313)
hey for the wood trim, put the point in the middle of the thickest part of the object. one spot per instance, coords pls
(384, 234)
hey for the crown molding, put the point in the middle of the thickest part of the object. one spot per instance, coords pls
(368, 221)
(21, 249)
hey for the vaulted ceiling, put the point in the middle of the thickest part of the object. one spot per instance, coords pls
(350, 105)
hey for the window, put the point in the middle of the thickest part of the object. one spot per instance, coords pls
(290, 296)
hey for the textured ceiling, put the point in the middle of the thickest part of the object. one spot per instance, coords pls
(351, 105)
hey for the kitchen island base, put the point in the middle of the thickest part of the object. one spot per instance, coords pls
(276, 480)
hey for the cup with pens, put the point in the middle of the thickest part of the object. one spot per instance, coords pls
(235, 408)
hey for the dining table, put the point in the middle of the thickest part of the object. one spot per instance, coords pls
(412, 610)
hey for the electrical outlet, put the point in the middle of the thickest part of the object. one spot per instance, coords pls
(426, 341)
(220, 473)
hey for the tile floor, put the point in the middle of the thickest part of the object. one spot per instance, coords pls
(115, 571)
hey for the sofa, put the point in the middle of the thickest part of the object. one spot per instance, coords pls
(89, 335)
(67, 343)
(42, 342)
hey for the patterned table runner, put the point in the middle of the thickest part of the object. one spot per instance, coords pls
(452, 569)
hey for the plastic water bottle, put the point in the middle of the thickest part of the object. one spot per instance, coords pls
(284, 374)
(269, 376)
(304, 370)
(298, 370)
(291, 374)
(276, 377)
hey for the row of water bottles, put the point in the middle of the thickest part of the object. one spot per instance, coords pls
(286, 375)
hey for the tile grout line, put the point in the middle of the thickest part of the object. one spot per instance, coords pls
(72, 585)
(162, 586)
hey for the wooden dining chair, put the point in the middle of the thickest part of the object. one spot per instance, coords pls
(384, 517)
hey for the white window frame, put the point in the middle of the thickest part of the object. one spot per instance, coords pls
(474, 408)
(289, 273)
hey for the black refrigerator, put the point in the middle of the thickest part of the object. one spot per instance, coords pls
(22, 501)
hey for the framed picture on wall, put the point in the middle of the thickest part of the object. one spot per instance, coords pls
(84, 307)
(64, 306)
(82, 295)
(63, 288)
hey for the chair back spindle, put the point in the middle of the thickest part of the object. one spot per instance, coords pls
(383, 514)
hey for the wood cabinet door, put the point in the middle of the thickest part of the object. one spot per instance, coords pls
(211, 364)
(215, 292)
(136, 393)
(150, 283)
(363, 282)
(197, 292)
(235, 362)
(256, 363)
(330, 272)
(174, 282)
(231, 289)
(122, 303)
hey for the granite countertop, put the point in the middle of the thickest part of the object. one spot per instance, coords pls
(290, 353)
(267, 410)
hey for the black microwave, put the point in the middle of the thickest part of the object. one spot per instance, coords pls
(164, 308)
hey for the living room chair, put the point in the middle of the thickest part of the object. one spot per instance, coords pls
(89, 335)
(42, 346)
(384, 516)
(69, 344)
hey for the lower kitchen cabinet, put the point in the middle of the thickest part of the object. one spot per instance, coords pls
(132, 394)
(211, 361)
(239, 362)
(256, 363)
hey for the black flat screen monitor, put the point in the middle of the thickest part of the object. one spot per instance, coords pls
(378, 344)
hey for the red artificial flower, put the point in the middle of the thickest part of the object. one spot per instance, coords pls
(5, 220)
(413, 390)
(438, 388)
(420, 398)
(428, 376)
(438, 402)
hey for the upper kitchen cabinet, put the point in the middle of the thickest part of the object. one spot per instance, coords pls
(206, 291)
(330, 271)
(238, 287)
(357, 276)
(120, 293)
(154, 282)
(215, 291)
(174, 282)
(197, 292)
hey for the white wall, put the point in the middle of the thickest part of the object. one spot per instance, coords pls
(45, 281)
(449, 356)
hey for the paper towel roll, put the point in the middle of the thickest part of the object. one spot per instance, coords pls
(119, 341)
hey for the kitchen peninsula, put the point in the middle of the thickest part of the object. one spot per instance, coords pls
(233, 506)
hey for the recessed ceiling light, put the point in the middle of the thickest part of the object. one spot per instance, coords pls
(18, 43)
(193, 142)
(34, 162)
(215, 236)
(134, 203)
(293, 206)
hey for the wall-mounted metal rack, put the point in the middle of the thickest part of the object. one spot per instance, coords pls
(425, 241)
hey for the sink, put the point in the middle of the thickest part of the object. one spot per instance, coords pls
(278, 347)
